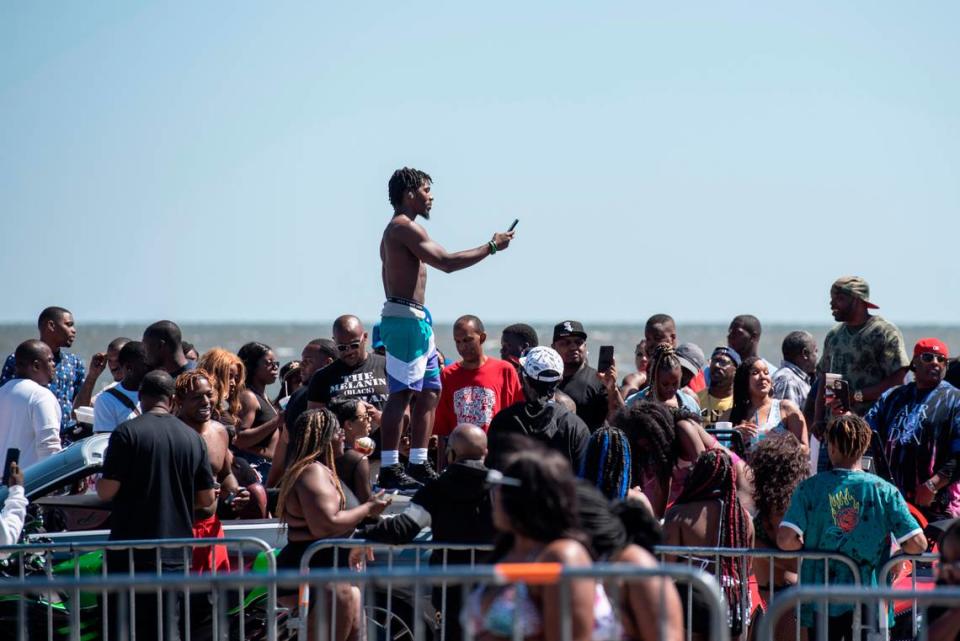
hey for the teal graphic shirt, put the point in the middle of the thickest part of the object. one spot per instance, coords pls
(853, 513)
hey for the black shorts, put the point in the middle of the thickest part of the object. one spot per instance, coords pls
(290, 555)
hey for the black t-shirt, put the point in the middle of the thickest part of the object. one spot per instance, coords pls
(554, 425)
(296, 406)
(953, 373)
(161, 464)
(367, 382)
(589, 394)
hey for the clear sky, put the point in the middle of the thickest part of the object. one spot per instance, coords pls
(228, 161)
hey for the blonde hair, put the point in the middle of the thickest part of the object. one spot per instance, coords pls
(218, 362)
(312, 442)
(186, 383)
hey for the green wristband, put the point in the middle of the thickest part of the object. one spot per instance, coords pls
(493, 247)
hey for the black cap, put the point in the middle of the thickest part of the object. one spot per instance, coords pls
(568, 328)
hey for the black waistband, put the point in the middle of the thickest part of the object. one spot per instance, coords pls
(405, 301)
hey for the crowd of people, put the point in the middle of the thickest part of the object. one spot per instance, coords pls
(851, 450)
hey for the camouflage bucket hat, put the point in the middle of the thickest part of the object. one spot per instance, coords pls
(856, 287)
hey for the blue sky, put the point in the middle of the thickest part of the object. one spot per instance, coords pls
(228, 161)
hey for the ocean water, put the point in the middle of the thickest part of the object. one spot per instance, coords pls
(288, 339)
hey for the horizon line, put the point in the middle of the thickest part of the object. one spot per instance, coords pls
(615, 322)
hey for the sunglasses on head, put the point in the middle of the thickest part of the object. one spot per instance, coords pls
(929, 357)
(346, 347)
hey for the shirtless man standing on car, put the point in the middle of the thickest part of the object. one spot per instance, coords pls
(413, 367)
(194, 401)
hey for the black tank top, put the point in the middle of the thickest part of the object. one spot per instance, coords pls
(264, 413)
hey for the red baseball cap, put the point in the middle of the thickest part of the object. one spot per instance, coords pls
(933, 345)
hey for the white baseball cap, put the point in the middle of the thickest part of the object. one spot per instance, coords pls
(543, 364)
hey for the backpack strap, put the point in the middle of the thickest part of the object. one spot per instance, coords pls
(123, 398)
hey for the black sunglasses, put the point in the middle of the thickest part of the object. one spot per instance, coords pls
(345, 347)
(929, 357)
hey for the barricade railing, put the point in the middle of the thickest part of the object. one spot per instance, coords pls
(873, 597)
(218, 586)
(707, 556)
(411, 554)
(46, 563)
(885, 578)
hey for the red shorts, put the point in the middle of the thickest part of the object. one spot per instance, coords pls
(214, 557)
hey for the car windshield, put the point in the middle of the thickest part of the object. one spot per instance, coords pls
(52, 472)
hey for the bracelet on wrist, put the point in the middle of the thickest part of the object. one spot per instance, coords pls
(493, 247)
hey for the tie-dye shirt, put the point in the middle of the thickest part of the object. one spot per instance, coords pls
(65, 384)
(920, 432)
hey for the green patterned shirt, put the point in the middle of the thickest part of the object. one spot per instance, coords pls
(863, 356)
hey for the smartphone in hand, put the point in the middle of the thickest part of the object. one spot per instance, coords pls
(605, 362)
(13, 456)
(841, 392)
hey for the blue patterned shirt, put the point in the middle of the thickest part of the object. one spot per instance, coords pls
(920, 432)
(65, 384)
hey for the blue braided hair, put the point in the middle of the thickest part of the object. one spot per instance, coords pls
(607, 462)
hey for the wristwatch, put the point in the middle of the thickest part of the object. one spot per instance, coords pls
(930, 485)
(858, 396)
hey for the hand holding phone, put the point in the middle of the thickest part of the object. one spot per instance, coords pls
(605, 362)
(841, 395)
(515, 221)
(13, 459)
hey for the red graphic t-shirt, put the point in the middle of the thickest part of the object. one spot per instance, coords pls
(475, 395)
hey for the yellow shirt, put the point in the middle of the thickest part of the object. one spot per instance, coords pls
(714, 409)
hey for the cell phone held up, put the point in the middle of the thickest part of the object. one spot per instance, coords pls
(838, 390)
(605, 362)
(13, 456)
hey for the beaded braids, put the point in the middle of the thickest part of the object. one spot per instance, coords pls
(714, 477)
(312, 442)
(607, 463)
(850, 434)
(664, 359)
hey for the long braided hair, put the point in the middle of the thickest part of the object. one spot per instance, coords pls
(607, 462)
(655, 425)
(312, 443)
(714, 477)
(664, 359)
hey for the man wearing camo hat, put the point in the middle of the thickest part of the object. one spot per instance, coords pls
(538, 416)
(866, 350)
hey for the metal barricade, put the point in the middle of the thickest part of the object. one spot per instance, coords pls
(408, 555)
(218, 586)
(793, 598)
(884, 579)
(713, 555)
(78, 561)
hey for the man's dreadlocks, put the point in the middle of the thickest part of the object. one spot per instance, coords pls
(404, 180)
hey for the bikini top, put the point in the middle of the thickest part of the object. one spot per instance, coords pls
(514, 601)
